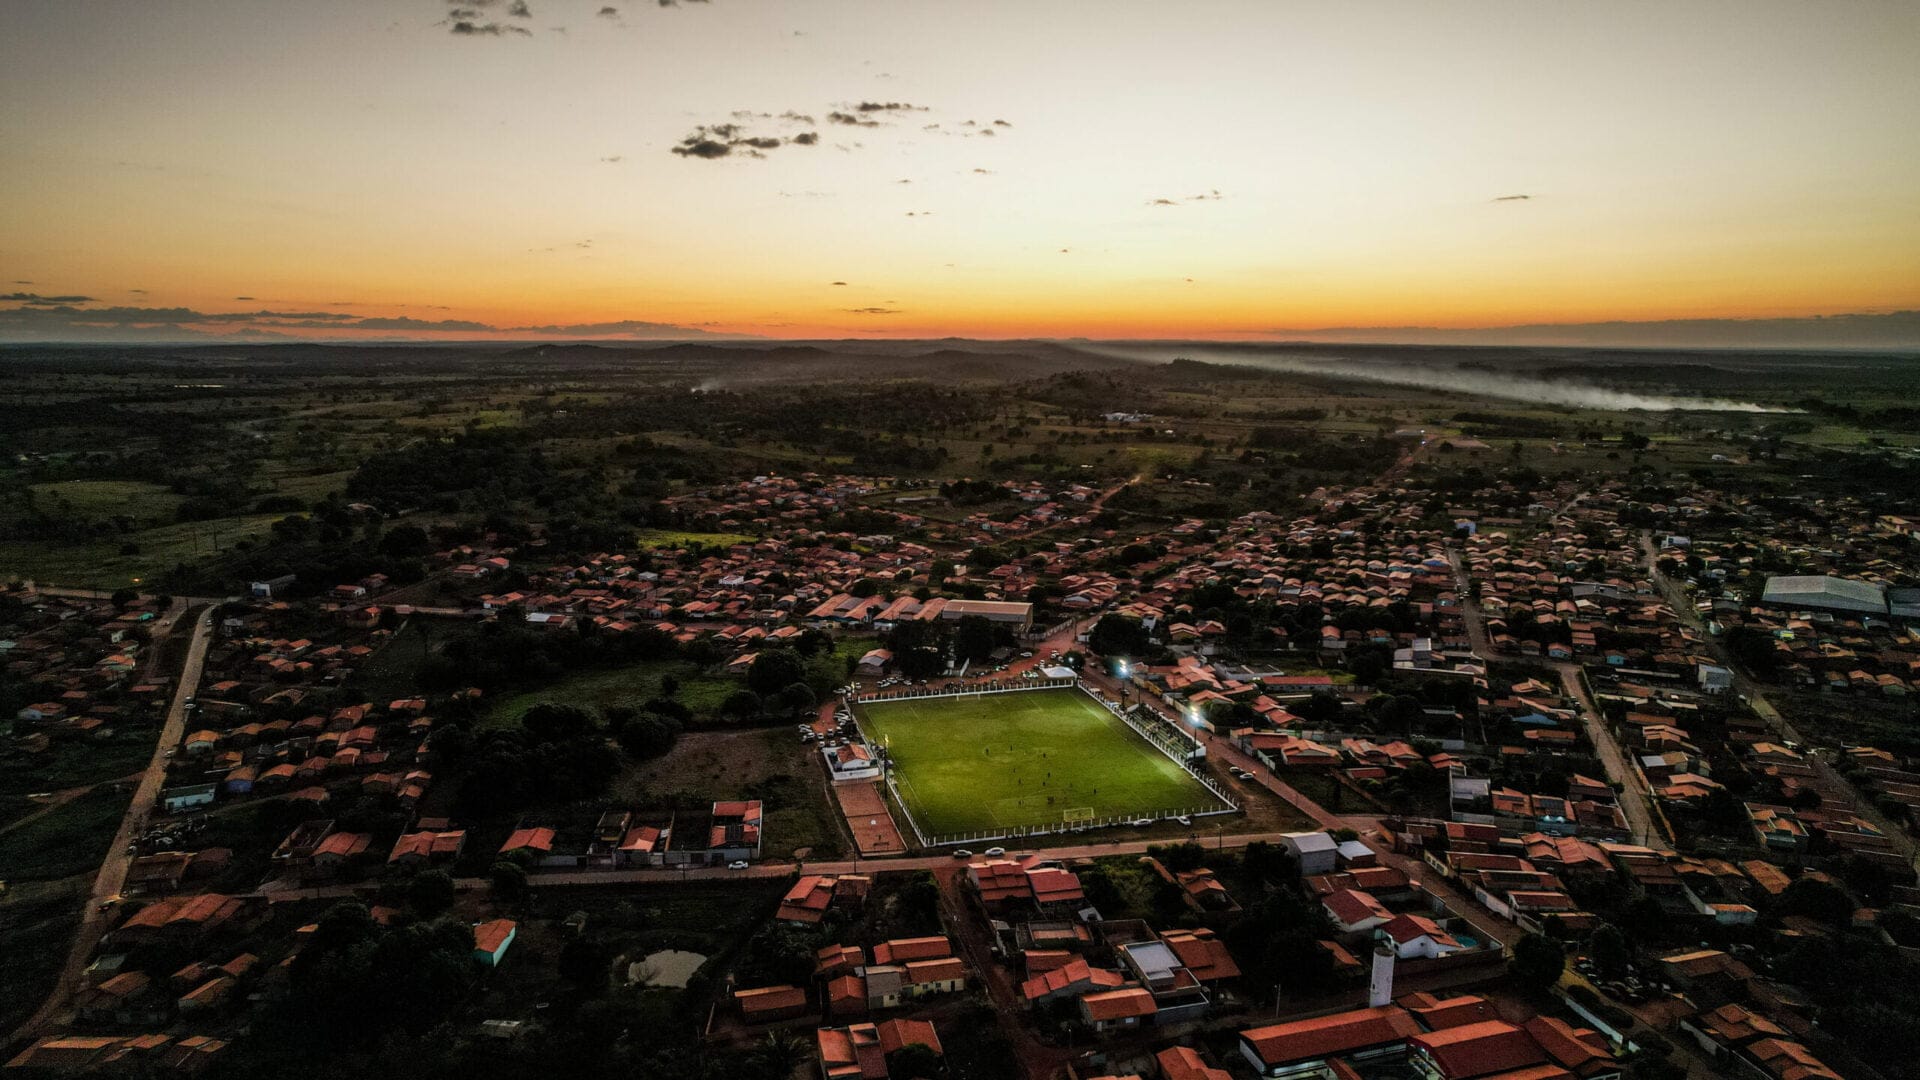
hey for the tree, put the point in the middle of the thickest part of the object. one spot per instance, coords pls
(974, 638)
(795, 700)
(1610, 952)
(430, 893)
(584, 963)
(775, 670)
(914, 1061)
(548, 722)
(509, 881)
(1538, 960)
(1119, 635)
(1817, 899)
(741, 705)
(648, 735)
(1753, 648)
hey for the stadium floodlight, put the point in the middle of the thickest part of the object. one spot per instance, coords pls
(1123, 669)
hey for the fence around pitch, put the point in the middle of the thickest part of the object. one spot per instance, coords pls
(1168, 734)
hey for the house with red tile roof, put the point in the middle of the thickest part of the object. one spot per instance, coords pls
(491, 939)
(1070, 980)
(1185, 1063)
(1299, 1047)
(770, 1004)
(1470, 1051)
(1113, 1010)
(1355, 912)
(860, 1051)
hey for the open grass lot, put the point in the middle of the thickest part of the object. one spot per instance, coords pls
(105, 564)
(652, 539)
(37, 929)
(628, 685)
(69, 840)
(69, 764)
(998, 761)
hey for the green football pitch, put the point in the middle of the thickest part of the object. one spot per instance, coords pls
(983, 763)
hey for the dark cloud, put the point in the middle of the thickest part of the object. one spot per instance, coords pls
(608, 13)
(623, 327)
(797, 117)
(983, 172)
(519, 10)
(35, 298)
(613, 159)
(1001, 123)
(888, 106)
(67, 323)
(872, 311)
(1207, 196)
(712, 141)
(403, 322)
(138, 292)
(469, 28)
(838, 117)
(1512, 198)
(695, 146)
(837, 283)
(243, 298)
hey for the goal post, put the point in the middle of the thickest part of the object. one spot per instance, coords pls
(1078, 813)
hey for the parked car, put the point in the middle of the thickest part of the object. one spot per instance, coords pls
(962, 853)
(737, 864)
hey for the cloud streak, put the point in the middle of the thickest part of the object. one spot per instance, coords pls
(31, 322)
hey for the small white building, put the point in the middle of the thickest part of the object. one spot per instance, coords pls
(851, 761)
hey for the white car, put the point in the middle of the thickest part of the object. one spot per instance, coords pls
(737, 864)
(963, 853)
(995, 851)
(1142, 822)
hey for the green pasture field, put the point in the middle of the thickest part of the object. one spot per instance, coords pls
(990, 762)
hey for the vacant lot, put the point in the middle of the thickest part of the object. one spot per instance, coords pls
(71, 839)
(630, 685)
(71, 763)
(989, 762)
(37, 930)
(767, 764)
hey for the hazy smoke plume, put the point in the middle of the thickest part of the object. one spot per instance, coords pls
(1511, 387)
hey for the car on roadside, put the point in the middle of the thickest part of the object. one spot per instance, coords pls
(994, 852)
(737, 864)
(962, 853)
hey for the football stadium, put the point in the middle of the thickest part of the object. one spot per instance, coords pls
(989, 764)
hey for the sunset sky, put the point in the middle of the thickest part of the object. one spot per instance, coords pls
(411, 168)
